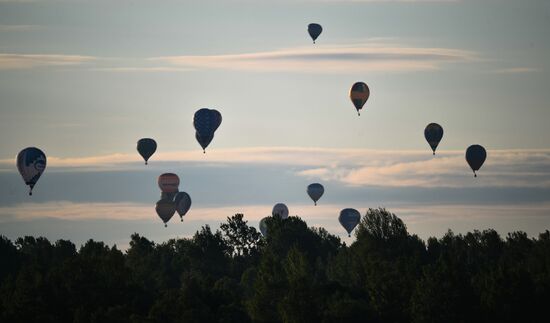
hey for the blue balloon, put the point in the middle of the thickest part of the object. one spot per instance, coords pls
(146, 148)
(31, 163)
(314, 31)
(349, 219)
(475, 156)
(206, 122)
(433, 134)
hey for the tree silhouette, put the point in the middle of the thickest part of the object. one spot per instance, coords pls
(295, 274)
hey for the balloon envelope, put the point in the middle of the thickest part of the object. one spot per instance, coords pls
(31, 163)
(315, 191)
(263, 226)
(349, 219)
(280, 210)
(183, 203)
(146, 147)
(475, 156)
(433, 134)
(165, 210)
(314, 31)
(168, 182)
(359, 94)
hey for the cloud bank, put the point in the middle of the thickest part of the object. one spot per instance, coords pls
(352, 167)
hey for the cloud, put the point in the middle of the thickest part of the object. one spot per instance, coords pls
(66, 218)
(26, 61)
(516, 70)
(17, 28)
(352, 167)
(329, 59)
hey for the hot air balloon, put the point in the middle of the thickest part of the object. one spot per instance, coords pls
(359, 94)
(146, 147)
(314, 31)
(280, 210)
(169, 182)
(31, 163)
(475, 156)
(433, 134)
(263, 226)
(165, 210)
(315, 191)
(206, 122)
(183, 203)
(349, 219)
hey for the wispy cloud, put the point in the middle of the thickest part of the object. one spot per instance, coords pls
(423, 219)
(17, 28)
(516, 70)
(352, 167)
(26, 61)
(329, 59)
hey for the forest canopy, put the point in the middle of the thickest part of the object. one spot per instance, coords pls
(294, 274)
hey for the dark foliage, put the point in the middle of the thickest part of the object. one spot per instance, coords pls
(295, 274)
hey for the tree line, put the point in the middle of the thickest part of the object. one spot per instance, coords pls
(294, 274)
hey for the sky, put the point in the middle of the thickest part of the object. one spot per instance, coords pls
(83, 80)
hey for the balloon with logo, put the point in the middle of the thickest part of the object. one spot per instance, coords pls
(280, 210)
(314, 31)
(359, 94)
(206, 122)
(146, 147)
(349, 219)
(31, 163)
(183, 203)
(433, 134)
(315, 191)
(475, 156)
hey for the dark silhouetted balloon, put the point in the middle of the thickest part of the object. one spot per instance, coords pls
(475, 156)
(146, 147)
(206, 122)
(280, 210)
(359, 94)
(183, 203)
(349, 219)
(433, 134)
(31, 163)
(315, 191)
(165, 210)
(168, 182)
(314, 31)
